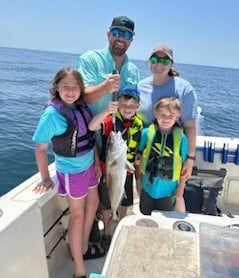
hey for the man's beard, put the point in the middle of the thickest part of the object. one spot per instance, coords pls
(116, 51)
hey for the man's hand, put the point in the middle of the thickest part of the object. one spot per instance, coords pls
(113, 83)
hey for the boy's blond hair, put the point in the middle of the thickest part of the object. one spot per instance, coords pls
(171, 103)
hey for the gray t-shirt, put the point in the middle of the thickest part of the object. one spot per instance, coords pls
(175, 87)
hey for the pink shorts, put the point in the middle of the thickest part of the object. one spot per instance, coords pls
(77, 185)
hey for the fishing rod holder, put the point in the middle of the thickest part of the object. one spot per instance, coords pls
(209, 151)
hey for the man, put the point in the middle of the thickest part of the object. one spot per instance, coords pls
(107, 70)
(97, 66)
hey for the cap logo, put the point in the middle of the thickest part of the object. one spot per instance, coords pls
(124, 21)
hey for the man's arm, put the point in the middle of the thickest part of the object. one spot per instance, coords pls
(109, 85)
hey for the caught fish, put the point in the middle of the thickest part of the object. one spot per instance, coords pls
(116, 169)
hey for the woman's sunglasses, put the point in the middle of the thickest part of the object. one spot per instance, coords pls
(154, 59)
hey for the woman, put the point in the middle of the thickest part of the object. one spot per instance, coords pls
(165, 82)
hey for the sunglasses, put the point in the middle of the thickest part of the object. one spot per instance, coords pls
(154, 59)
(116, 32)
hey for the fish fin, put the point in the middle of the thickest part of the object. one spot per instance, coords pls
(129, 167)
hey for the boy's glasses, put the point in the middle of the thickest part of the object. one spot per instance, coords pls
(154, 59)
(116, 32)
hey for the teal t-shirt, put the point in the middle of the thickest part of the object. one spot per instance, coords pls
(96, 65)
(53, 123)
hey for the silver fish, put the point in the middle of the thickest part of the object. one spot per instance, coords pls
(116, 169)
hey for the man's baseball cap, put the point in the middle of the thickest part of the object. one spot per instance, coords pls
(124, 23)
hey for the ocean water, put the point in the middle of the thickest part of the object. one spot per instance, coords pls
(25, 77)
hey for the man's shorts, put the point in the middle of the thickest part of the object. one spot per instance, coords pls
(148, 204)
(77, 185)
(127, 197)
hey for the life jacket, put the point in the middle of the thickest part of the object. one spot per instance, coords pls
(162, 159)
(131, 135)
(77, 139)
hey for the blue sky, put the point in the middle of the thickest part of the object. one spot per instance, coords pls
(201, 32)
